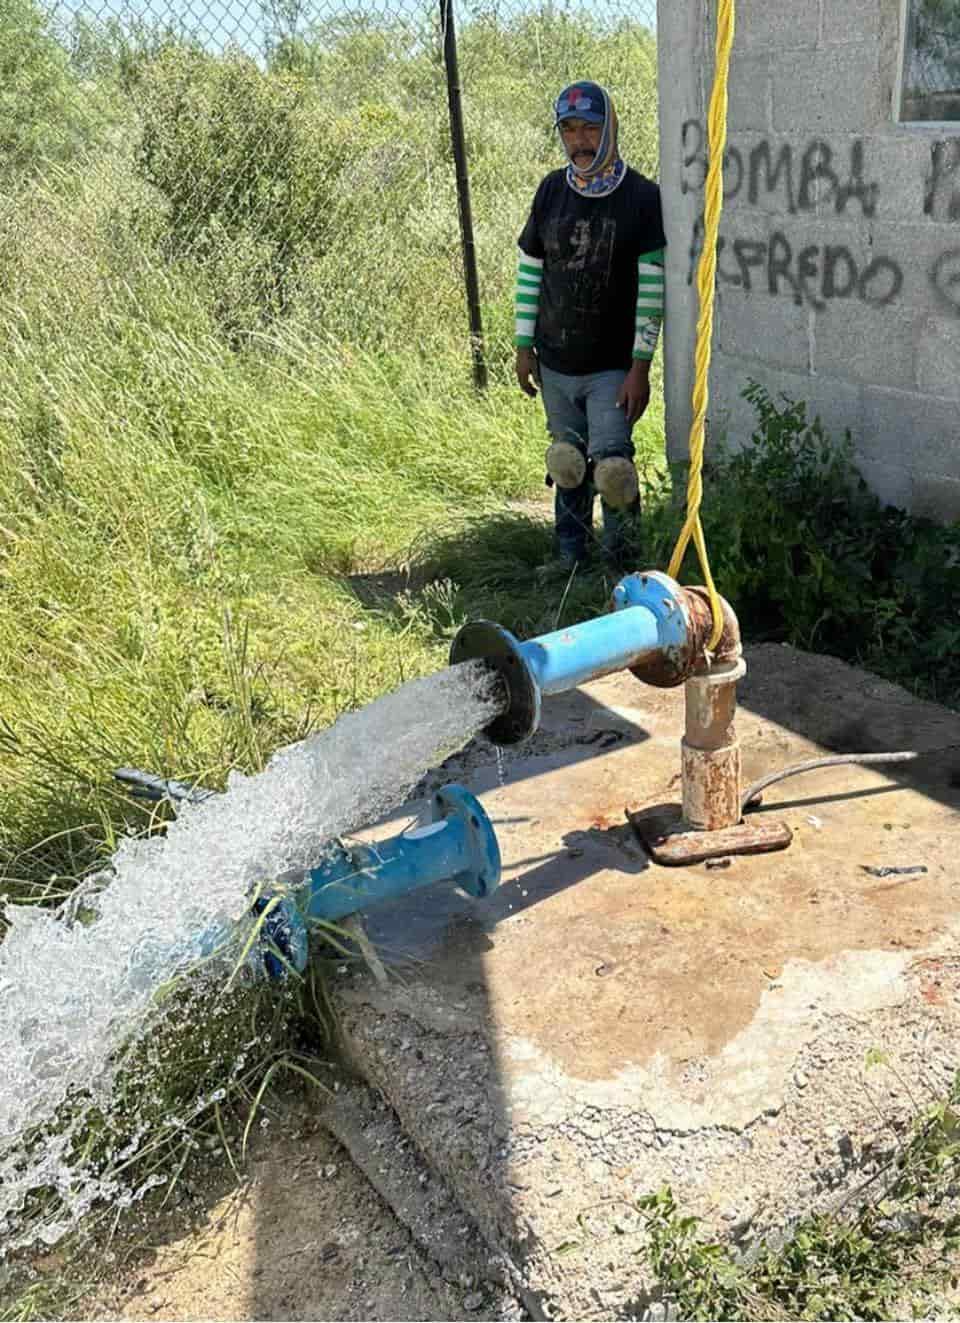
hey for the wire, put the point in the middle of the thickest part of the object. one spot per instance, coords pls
(836, 760)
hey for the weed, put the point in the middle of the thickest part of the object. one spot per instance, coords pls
(811, 557)
(857, 1262)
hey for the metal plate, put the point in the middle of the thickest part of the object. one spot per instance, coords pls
(670, 841)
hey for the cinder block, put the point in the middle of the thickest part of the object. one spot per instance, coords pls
(847, 21)
(907, 429)
(899, 166)
(837, 403)
(755, 326)
(678, 347)
(736, 228)
(680, 32)
(777, 24)
(765, 172)
(734, 175)
(893, 484)
(731, 419)
(938, 357)
(749, 94)
(802, 262)
(736, 170)
(835, 176)
(936, 497)
(871, 345)
(827, 92)
(802, 231)
(941, 156)
(929, 255)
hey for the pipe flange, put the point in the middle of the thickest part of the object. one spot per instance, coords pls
(684, 622)
(678, 650)
(482, 640)
(455, 801)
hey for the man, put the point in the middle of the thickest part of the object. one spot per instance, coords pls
(589, 305)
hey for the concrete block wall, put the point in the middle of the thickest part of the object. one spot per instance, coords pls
(839, 265)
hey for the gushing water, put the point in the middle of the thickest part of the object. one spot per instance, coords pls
(74, 994)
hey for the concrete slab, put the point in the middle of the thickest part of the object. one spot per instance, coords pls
(603, 1025)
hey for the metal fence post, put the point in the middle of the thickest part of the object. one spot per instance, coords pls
(471, 280)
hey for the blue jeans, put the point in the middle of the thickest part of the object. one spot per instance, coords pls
(583, 411)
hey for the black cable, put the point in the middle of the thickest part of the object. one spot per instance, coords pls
(835, 760)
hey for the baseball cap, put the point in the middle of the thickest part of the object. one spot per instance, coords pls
(581, 101)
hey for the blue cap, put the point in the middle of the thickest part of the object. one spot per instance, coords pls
(584, 101)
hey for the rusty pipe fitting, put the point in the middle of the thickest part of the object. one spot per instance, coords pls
(710, 750)
(687, 623)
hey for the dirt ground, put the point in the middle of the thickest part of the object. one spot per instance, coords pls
(305, 1236)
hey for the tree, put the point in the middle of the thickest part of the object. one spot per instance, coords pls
(244, 178)
(42, 116)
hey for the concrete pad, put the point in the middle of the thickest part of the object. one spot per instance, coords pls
(602, 1025)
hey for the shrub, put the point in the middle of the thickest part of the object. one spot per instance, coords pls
(810, 556)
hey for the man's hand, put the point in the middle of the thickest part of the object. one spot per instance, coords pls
(634, 394)
(528, 372)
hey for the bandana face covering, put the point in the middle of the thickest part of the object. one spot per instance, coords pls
(590, 102)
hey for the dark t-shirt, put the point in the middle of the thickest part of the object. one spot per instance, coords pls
(590, 246)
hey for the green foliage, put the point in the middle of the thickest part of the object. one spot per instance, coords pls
(242, 176)
(113, 53)
(811, 557)
(43, 118)
(324, 185)
(866, 1263)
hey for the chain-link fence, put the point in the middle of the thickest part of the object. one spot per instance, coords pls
(931, 71)
(294, 163)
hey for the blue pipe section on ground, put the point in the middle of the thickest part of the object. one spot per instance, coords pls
(458, 846)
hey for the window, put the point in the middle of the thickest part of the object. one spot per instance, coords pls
(930, 76)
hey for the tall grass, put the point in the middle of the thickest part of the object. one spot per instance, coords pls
(176, 446)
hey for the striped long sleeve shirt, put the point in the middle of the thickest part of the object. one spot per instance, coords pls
(650, 302)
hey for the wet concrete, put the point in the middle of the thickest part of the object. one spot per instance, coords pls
(603, 1025)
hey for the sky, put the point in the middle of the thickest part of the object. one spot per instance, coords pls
(220, 24)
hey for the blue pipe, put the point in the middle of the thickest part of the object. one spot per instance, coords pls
(569, 657)
(651, 629)
(458, 846)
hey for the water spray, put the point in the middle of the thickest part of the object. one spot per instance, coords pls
(458, 846)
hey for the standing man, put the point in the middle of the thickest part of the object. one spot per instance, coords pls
(589, 305)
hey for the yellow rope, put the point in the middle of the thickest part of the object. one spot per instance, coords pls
(706, 283)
